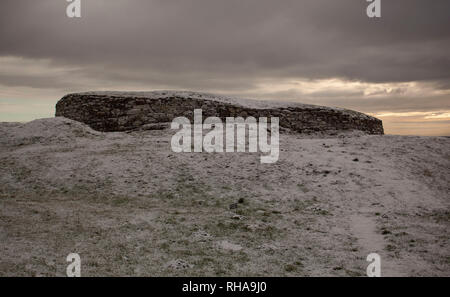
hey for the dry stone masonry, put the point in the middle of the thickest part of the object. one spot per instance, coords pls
(121, 111)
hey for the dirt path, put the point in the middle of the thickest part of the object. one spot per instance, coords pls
(364, 228)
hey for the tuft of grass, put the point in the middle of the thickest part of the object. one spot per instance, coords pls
(290, 268)
(385, 232)
(303, 188)
(427, 173)
(120, 201)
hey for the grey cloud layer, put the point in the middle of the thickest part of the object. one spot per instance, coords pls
(283, 38)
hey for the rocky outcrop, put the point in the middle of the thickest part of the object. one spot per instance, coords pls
(120, 111)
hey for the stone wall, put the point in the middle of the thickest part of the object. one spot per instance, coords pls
(113, 111)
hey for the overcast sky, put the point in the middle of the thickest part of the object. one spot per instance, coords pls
(324, 52)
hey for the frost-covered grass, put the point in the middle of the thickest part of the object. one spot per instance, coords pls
(130, 206)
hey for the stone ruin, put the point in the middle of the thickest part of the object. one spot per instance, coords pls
(122, 111)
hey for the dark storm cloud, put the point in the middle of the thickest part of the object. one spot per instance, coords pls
(217, 40)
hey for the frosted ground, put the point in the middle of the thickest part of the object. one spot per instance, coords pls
(130, 206)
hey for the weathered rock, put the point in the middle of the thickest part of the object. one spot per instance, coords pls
(120, 111)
